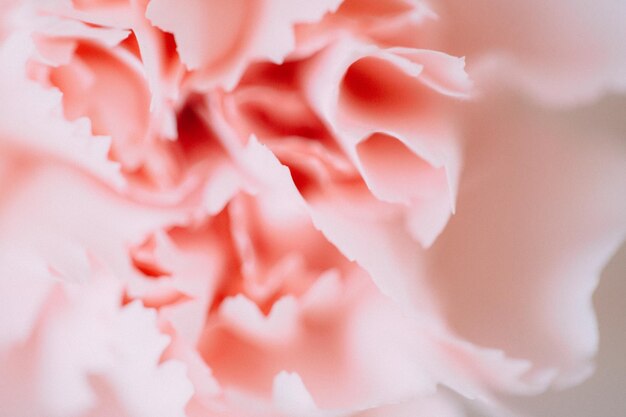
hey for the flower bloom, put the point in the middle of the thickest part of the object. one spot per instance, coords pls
(294, 208)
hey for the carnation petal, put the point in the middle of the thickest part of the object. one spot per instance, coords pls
(220, 40)
(540, 213)
(519, 44)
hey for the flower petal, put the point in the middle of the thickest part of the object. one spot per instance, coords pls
(518, 43)
(221, 39)
(540, 212)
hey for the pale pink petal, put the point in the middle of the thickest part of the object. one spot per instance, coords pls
(111, 13)
(206, 388)
(540, 212)
(26, 283)
(245, 319)
(376, 239)
(81, 218)
(518, 43)
(87, 345)
(415, 352)
(220, 40)
(181, 272)
(112, 92)
(290, 395)
(441, 72)
(35, 122)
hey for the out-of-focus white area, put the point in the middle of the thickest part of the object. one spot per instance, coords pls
(604, 394)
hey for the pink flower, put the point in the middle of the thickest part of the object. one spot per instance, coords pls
(298, 208)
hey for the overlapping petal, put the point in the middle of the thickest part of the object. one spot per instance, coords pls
(264, 208)
(220, 40)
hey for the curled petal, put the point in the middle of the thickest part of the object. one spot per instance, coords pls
(383, 103)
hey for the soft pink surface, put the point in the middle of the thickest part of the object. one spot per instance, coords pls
(297, 208)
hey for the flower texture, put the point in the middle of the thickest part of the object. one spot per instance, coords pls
(302, 208)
